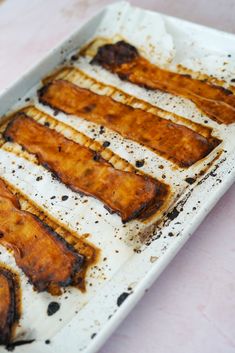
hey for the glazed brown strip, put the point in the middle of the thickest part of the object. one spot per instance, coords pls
(172, 141)
(9, 313)
(123, 59)
(128, 194)
(46, 259)
(89, 252)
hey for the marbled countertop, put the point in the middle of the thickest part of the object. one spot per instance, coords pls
(191, 307)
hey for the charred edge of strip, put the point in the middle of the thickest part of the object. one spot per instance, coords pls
(147, 209)
(80, 259)
(113, 55)
(78, 279)
(41, 98)
(53, 223)
(14, 310)
(5, 135)
(76, 267)
(212, 143)
(43, 90)
(224, 90)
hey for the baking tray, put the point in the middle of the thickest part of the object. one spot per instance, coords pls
(89, 319)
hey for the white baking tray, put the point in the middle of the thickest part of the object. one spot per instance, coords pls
(87, 320)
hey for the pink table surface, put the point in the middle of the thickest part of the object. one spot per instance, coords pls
(191, 307)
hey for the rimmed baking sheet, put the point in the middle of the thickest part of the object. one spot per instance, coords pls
(121, 273)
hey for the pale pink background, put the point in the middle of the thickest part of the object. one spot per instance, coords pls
(191, 308)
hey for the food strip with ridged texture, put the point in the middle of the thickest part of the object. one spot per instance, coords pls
(175, 142)
(89, 76)
(129, 194)
(80, 245)
(124, 60)
(46, 258)
(77, 136)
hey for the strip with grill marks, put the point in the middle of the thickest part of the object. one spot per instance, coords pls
(124, 60)
(46, 258)
(173, 141)
(83, 170)
(9, 303)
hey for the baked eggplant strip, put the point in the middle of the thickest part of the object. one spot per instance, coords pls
(79, 244)
(46, 258)
(124, 60)
(172, 141)
(9, 313)
(83, 170)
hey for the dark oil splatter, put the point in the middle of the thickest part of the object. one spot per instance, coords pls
(139, 163)
(190, 180)
(106, 144)
(173, 214)
(74, 57)
(102, 130)
(122, 298)
(52, 308)
(64, 198)
(96, 157)
(39, 178)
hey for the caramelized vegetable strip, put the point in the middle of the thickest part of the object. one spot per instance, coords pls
(8, 304)
(123, 59)
(81, 245)
(128, 194)
(173, 141)
(47, 259)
